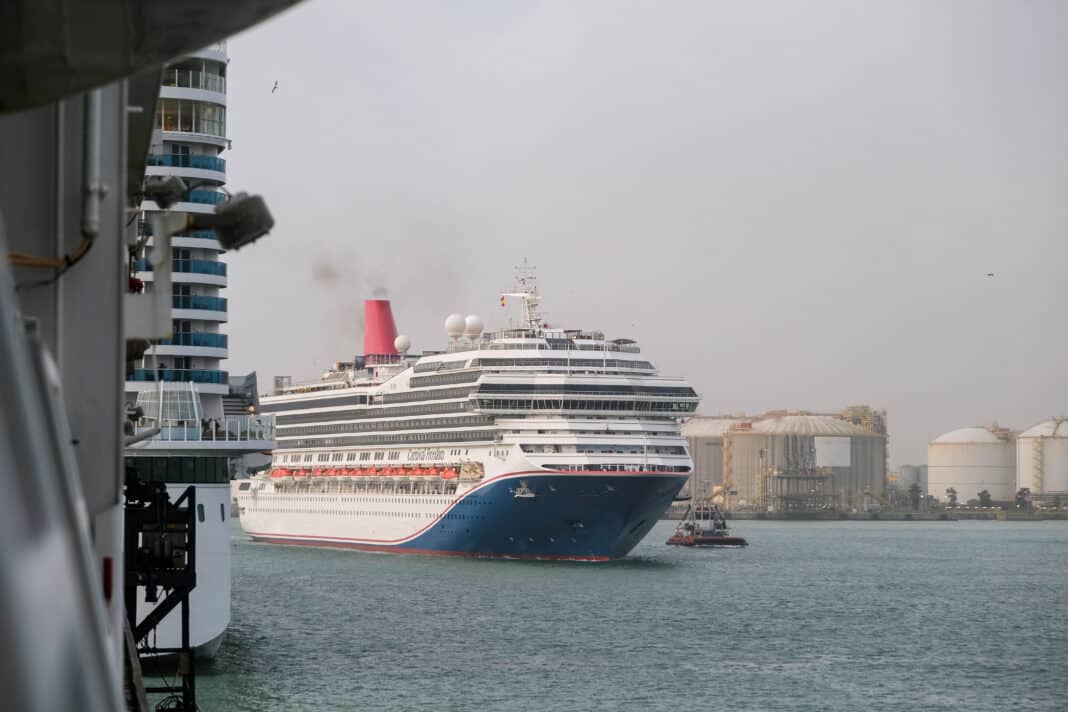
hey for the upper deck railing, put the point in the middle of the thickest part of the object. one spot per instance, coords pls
(230, 429)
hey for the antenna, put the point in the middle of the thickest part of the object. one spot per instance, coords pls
(526, 288)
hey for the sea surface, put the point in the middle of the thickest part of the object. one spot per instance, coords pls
(812, 616)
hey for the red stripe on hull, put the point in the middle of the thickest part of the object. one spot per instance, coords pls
(424, 552)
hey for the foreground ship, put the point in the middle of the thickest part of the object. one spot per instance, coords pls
(532, 443)
(199, 442)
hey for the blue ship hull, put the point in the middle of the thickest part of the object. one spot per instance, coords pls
(571, 516)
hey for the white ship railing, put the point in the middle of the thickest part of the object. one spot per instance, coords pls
(234, 428)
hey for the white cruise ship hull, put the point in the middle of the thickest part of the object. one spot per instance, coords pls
(520, 513)
(209, 602)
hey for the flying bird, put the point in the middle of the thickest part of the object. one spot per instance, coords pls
(989, 274)
(275, 87)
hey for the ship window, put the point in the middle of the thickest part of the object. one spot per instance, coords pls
(222, 512)
(200, 512)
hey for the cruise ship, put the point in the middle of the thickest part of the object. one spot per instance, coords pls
(529, 442)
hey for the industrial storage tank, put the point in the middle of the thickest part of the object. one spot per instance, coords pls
(806, 462)
(704, 436)
(1042, 460)
(971, 460)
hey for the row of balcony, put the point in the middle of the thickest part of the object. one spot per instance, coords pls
(188, 266)
(146, 229)
(181, 375)
(194, 79)
(180, 160)
(204, 197)
(193, 301)
(208, 197)
(197, 338)
(191, 124)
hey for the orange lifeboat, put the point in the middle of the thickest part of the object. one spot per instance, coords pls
(449, 474)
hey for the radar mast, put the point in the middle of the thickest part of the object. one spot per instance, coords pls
(526, 288)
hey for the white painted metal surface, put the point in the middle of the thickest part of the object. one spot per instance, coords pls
(209, 613)
(1042, 457)
(971, 460)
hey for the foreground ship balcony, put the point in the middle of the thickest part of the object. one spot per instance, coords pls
(232, 434)
(181, 375)
(199, 239)
(211, 267)
(188, 271)
(197, 338)
(193, 166)
(175, 160)
(193, 306)
(193, 343)
(193, 79)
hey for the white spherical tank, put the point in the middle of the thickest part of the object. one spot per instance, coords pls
(454, 325)
(402, 343)
(472, 326)
(971, 460)
(1042, 458)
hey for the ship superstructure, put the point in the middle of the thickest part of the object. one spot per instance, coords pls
(528, 442)
(178, 382)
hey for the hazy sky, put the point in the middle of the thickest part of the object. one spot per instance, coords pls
(793, 205)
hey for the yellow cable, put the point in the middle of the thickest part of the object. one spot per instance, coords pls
(21, 259)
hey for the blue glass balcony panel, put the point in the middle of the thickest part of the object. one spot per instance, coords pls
(188, 266)
(197, 338)
(189, 301)
(181, 375)
(210, 197)
(174, 160)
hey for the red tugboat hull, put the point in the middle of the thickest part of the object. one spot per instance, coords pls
(706, 540)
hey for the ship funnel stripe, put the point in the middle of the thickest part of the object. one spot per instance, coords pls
(379, 329)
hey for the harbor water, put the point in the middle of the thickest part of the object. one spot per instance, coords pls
(812, 616)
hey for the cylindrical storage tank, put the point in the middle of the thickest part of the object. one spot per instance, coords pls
(1042, 458)
(704, 437)
(971, 460)
(805, 445)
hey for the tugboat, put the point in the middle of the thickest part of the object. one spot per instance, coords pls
(704, 525)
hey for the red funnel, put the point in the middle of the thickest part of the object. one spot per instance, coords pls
(379, 331)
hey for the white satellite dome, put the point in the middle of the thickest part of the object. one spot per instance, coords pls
(472, 326)
(454, 325)
(402, 343)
